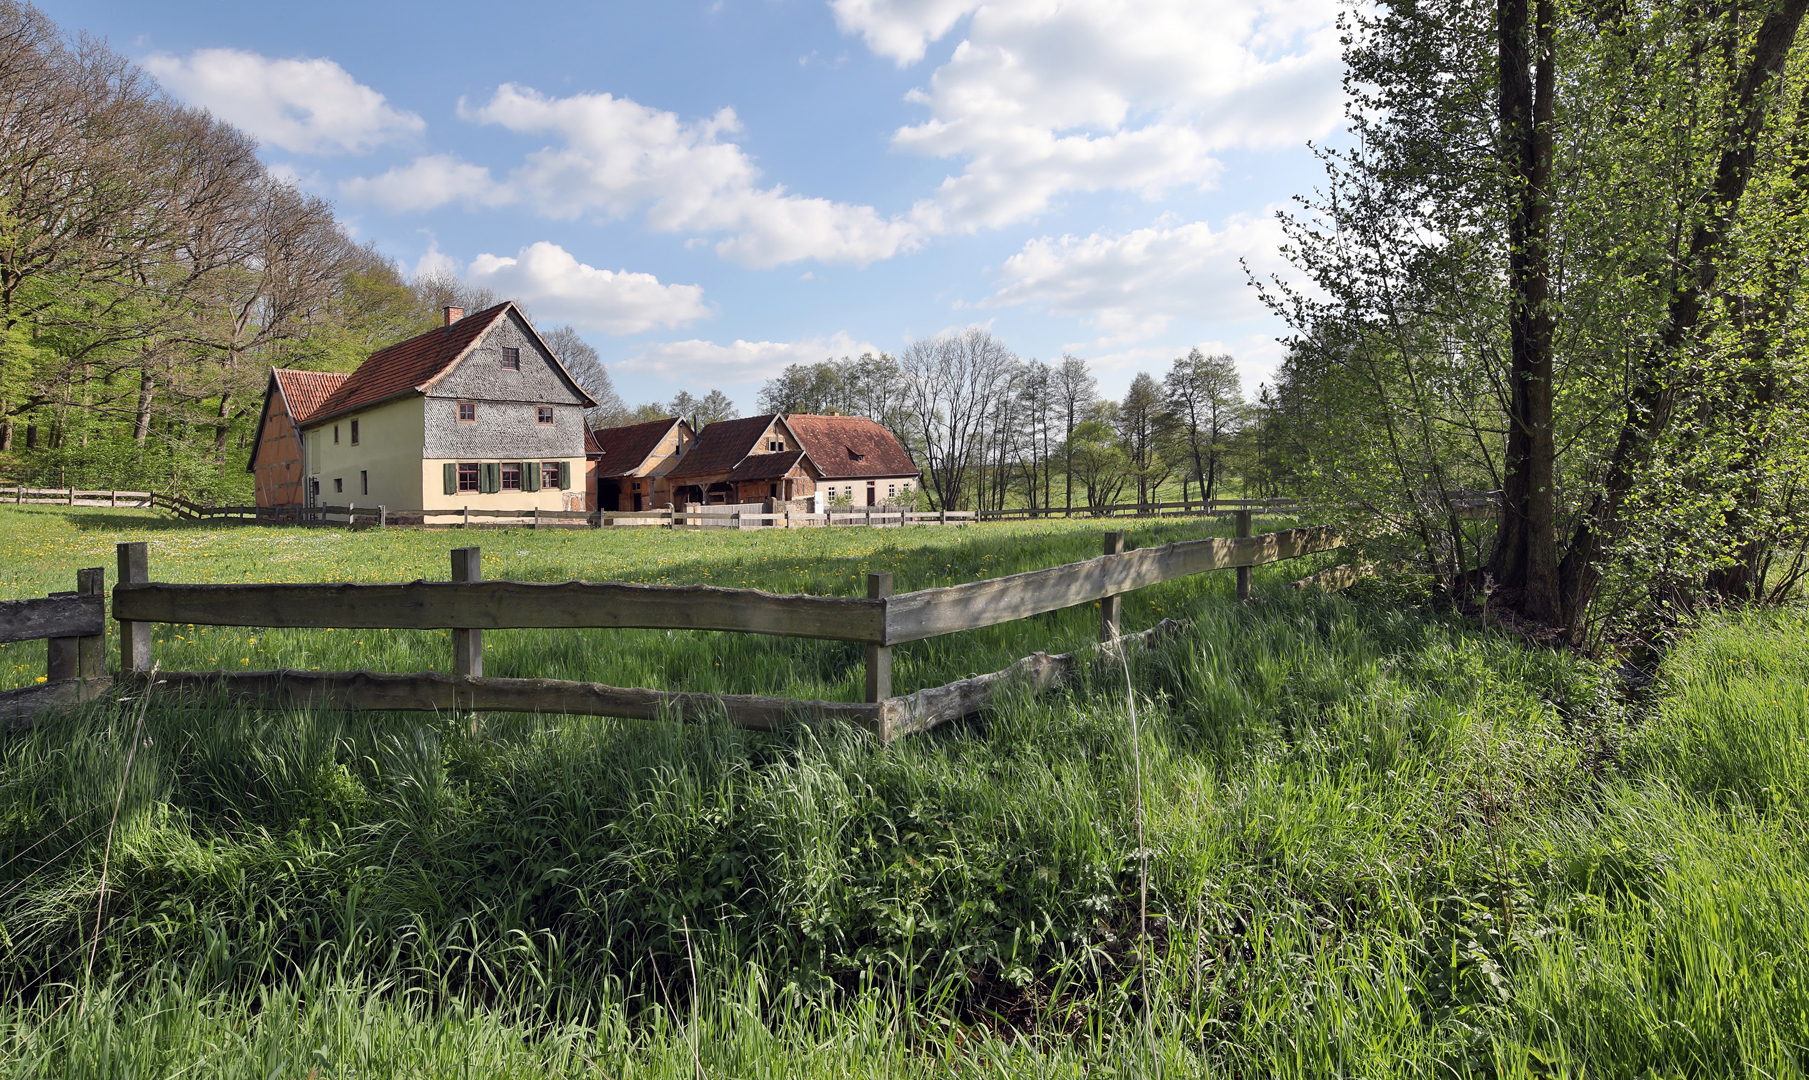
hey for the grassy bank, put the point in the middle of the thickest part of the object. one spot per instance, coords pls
(1378, 844)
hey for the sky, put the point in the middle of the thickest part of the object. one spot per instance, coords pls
(709, 190)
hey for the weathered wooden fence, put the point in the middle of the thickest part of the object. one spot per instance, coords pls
(74, 626)
(468, 606)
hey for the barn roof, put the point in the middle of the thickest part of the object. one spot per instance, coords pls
(302, 393)
(851, 446)
(414, 365)
(767, 466)
(625, 449)
(722, 445)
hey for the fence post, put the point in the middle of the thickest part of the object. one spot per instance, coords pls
(1110, 606)
(134, 637)
(467, 523)
(68, 657)
(537, 517)
(879, 657)
(90, 653)
(1243, 572)
(467, 645)
(113, 499)
(382, 516)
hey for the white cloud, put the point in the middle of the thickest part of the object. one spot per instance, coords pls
(613, 157)
(899, 29)
(304, 105)
(427, 183)
(740, 362)
(559, 288)
(1042, 98)
(1131, 286)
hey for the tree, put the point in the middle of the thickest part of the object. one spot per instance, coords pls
(1139, 417)
(950, 381)
(715, 406)
(587, 367)
(1098, 461)
(1075, 390)
(1202, 394)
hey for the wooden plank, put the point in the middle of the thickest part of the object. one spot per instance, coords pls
(925, 709)
(26, 706)
(934, 612)
(51, 617)
(502, 605)
(440, 692)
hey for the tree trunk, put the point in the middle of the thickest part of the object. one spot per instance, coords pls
(1525, 561)
(222, 422)
(147, 388)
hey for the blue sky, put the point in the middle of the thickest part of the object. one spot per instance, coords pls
(710, 189)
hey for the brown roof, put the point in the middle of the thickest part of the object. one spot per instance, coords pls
(413, 366)
(767, 466)
(722, 445)
(851, 446)
(304, 392)
(623, 449)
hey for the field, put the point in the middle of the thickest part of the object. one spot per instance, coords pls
(1378, 842)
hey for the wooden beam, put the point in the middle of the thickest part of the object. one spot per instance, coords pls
(134, 635)
(1243, 572)
(879, 657)
(26, 706)
(499, 605)
(929, 708)
(934, 612)
(439, 692)
(467, 644)
(65, 616)
(1111, 606)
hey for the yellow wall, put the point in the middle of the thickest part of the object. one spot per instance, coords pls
(433, 484)
(389, 450)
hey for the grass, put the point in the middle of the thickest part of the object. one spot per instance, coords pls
(1380, 844)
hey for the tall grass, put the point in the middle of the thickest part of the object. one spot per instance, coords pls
(1379, 844)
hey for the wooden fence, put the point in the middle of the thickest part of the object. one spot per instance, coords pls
(74, 625)
(468, 606)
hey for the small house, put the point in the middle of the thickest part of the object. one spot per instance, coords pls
(857, 459)
(749, 460)
(627, 466)
(478, 412)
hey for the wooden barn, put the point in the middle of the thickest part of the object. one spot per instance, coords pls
(627, 466)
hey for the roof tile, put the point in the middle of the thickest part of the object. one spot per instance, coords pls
(722, 445)
(851, 446)
(304, 392)
(409, 365)
(624, 448)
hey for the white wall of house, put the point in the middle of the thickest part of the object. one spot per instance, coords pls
(381, 468)
(885, 489)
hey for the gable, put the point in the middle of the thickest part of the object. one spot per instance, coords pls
(722, 445)
(479, 374)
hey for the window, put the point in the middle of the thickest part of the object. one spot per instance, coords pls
(511, 476)
(335, 434)
(549, 476)
(339, 485)
(354, 433)
(512, 358)
(467, 411)
(364, 482)
(891, 490)
(468, 476)
(775, 445)
(543, 414)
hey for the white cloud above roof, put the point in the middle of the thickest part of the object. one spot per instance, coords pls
(558, 288)
(426, 183)
(304, 105)
(1130, 286)
(739, 362)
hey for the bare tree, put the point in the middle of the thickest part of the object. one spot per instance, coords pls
(587, 367)
(949, 382)
(1203, 395)
(1075, 390)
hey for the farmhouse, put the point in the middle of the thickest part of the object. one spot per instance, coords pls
(628, 465)
(762, 458)
(857, 458)
(478, 412)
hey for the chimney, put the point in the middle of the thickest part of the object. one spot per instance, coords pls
(454, 314)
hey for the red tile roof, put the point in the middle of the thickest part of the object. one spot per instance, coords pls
(722, 445)
(305, 391)
(413, 366)
(851, 447)
(767, 466)
(623, 449)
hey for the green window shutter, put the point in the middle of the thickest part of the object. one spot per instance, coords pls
(530, 476)
(451, 472)
(492, 477)
(565, 476)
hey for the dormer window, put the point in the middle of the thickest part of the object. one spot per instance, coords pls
(511, 358)
(852, 456)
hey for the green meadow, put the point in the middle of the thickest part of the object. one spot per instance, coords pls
(1310, 836)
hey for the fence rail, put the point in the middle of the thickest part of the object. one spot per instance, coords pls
(74, 627)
